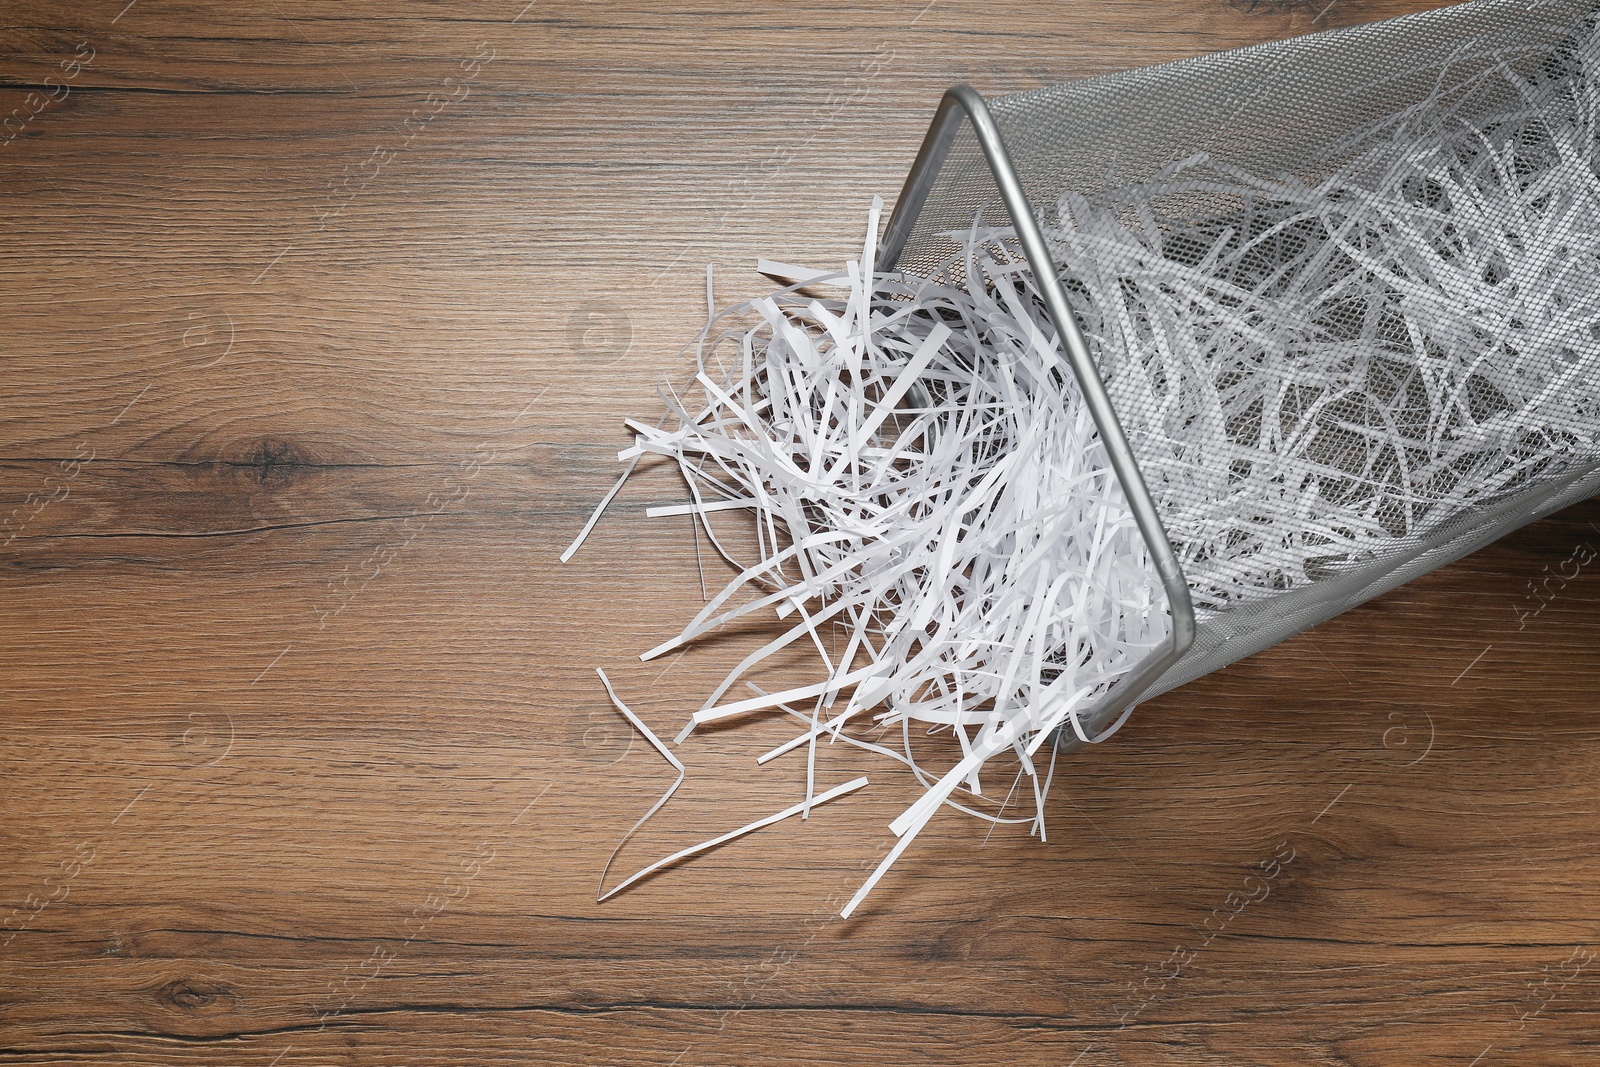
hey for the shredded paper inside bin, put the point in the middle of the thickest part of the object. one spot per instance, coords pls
(1342, 291)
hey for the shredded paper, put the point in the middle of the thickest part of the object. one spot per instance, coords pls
(1309, 371)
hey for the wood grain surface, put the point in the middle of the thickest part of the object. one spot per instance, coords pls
(321, 322)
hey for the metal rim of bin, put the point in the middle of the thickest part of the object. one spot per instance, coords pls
(963, 102)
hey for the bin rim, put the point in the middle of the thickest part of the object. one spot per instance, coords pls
(961, 103)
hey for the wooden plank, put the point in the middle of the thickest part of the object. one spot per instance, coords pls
(305, 757)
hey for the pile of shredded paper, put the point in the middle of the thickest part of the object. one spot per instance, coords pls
(1308, 380)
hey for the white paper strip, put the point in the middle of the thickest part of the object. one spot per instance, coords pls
(655, 743)
(666, 510)
(705, 846)
(789, 274)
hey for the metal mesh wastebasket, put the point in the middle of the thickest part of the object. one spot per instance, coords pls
(1406, 446)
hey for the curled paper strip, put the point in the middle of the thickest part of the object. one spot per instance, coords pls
(655, 742)
(704, 846)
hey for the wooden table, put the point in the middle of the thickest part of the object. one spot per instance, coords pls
(321, 322)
